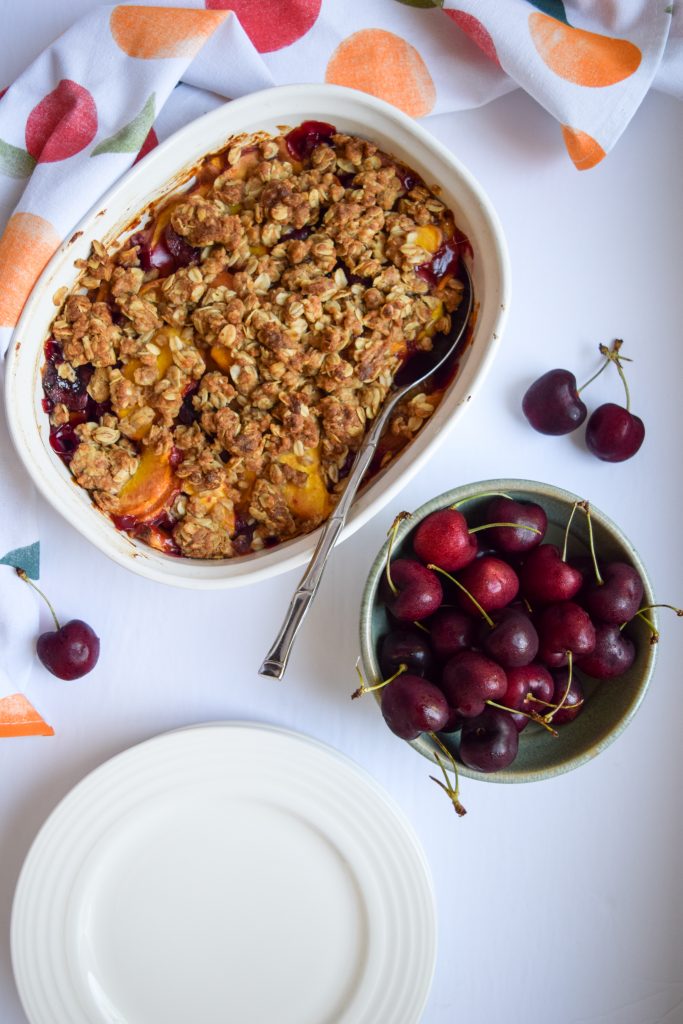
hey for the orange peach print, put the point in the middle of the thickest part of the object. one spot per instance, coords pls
(384, 65)
(25, 247)
(18, 717)
(584, 58)
(582, 148)
(160, 32)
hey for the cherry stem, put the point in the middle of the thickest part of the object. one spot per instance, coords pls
(595, 375)
(533, 715)
(566, 531)
(378, 686)
(585, 507)
(516, 526)
(547, 704)
(641, 614)
(570, 663)
(648, 607)
(474, 601)
(484, 494)
(452, 791)
(614, 357)
(392, 537)
(424, 629)
(24, 576)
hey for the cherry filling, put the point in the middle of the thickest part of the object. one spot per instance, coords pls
(64, 441)
(168, 254)
(302, 141)
(446, 260)
(244, 534)
(409, 179)
(61, 390)
(158, 533)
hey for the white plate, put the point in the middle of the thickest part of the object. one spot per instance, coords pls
(225, 874)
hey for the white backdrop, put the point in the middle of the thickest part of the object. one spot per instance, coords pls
(560, 900)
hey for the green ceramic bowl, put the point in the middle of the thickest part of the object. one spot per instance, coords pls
(610, 705)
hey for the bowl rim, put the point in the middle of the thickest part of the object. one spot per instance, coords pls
(534, 488)
(221, 574)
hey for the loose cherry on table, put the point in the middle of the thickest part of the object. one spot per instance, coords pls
(69, 651)
(614, 433)
(552, 404)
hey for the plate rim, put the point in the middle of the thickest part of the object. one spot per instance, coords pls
(34, 870)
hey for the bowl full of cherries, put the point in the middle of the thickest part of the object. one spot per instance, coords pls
(508, 631)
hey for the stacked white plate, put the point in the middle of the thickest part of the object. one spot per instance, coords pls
(225, 873)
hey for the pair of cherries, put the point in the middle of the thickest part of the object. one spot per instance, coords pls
(484, 641)
(553, 405)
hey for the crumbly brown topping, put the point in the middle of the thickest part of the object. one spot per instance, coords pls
(237, 387)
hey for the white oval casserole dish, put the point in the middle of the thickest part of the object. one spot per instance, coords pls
(352, 112)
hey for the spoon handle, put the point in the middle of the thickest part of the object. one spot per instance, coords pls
(275, 662)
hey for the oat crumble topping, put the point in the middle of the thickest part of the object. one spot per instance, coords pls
(209, 382)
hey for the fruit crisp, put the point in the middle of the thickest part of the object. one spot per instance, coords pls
(211, 380)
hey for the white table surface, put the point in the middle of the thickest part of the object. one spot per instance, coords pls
(560, 901)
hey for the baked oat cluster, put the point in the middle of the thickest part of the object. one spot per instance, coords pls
(209, 382)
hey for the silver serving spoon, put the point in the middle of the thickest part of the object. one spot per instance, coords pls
(416, 371)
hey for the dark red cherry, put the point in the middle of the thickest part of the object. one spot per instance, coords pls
(513, 641)
(552, 404)
(545, 578)
(450, 631)
(470, 679)
(564, 627)
(491, 581)
(443, 539)
(64, 441)
(70, 651)
(302, 141)
(489, 742)
(526, 513)
(411, 705)
(572, 705)
(613, 433)
(407, 647)
(612, 655)
(182, 252)
(419, 591)
(618, 598)
(531, 679)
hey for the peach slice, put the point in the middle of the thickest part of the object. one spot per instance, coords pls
(221, 357)
(164, 359)
(428, 237)
(149, 490)
(312, 500)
